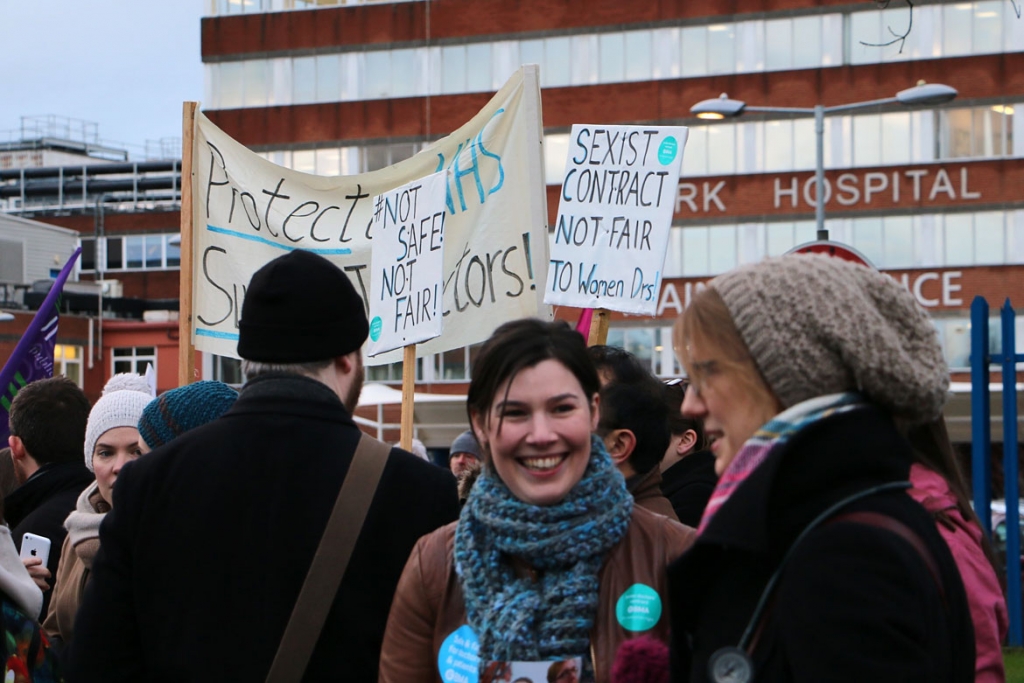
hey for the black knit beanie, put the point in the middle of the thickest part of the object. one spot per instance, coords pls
(300, 308)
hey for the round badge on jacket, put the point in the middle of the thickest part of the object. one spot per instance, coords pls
(458, 660)
(638, 608)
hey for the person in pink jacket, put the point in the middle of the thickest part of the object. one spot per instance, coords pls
(939, 487)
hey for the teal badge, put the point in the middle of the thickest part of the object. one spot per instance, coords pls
(375, 326)
(668, 150)
(639, 608)
(458, 660)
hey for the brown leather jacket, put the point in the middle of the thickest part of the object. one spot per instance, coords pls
(646, 490)
(428, 603)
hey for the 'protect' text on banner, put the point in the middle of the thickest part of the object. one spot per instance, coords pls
(247, 211)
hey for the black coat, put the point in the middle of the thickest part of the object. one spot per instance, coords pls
(40, 506)
(855, 602)
(688, 485)
(211, 536)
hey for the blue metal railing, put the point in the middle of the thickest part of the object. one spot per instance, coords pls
(981, 444)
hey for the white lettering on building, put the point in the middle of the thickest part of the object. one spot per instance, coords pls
(869, 188)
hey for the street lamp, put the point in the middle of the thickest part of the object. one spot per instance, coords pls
(723, 107)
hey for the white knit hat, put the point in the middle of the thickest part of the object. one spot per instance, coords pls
(124, 398)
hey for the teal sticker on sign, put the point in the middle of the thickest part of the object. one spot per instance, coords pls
(639, 608)
(458, 660)
(668, 150)
(375, 326)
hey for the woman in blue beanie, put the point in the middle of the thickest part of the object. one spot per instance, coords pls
(550, 559)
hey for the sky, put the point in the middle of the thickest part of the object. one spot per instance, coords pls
(125, 65)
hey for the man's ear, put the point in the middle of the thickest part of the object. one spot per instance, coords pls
(620, 444)
(18, 451)
(345, 363)
(686, 442)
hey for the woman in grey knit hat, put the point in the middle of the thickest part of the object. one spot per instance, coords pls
(812, 563)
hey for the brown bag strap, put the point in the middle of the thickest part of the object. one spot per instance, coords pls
(328, 568)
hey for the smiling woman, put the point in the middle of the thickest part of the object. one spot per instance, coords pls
(550, 558)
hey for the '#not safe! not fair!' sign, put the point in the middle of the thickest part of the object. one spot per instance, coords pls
(407, 264)
(614, 215)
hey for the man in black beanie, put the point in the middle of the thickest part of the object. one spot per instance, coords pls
(211, 536)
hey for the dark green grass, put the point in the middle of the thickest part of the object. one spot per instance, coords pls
(1014, 660)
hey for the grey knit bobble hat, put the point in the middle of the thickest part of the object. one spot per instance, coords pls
(818, 325)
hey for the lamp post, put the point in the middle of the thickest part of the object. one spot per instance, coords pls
(723, 107)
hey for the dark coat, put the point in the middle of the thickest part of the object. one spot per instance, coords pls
(855, 602)
(210, 538)
(40, 506)
(688, 485)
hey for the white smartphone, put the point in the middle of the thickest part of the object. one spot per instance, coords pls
(35, 546)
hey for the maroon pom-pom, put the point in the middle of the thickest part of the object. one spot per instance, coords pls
(641, 660)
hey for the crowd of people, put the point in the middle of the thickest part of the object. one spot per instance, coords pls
(790, 510)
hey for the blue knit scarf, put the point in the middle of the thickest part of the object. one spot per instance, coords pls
(526, 619)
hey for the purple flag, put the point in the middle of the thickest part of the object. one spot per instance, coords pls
(33, 356)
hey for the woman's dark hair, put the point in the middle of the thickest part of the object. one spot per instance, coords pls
(933, 449)
(677, 424)
(522, 344)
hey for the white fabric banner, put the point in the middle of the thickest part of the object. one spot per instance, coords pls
(247, 211)
(614, 215)
(407, 264)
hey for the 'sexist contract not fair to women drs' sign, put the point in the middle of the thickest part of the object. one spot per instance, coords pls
(407, 264)
(611, 236)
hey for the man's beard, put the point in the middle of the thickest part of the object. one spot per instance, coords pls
(359, 374)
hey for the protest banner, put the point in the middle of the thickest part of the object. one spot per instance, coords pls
(407, 264)
(32, 358)
(247, 210)
(614, 215)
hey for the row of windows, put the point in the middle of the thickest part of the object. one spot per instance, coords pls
(591, 58)
(894, 138)
(228, 7)
(135, 359)
(133, 252)
(892, 242)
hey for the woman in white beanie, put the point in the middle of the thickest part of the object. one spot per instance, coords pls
(812, 563)
(111, 440)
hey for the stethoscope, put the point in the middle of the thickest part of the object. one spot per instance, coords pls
(732, 664)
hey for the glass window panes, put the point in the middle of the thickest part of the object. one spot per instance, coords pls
(899, 243)
(478, 71)
(721, 248)
(88, 254)
(695, 251)
(154, 254)
(328, 78)
(257, 82)
(453, 68)
(806, 42)
(867, 140)
(959, 240)
(556, 62)
(778, 37)
(232, 76)
(583, 60)
(378, 74)
(695, 51)
(638, 55)
(666, 53)
(303, 80)
(721, 48)
(173, 252)
(134, 246)
(613, 57)
(989, 244)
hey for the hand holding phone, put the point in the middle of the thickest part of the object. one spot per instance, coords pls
(33, 546)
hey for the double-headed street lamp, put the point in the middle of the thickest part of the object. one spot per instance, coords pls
(723, 107)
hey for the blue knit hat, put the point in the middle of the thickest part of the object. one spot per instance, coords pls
(179, 410)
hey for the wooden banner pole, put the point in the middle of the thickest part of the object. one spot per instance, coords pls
(408, 391)
(186, 351)
(598, 327)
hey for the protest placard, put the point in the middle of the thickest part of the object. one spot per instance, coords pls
(407, 264)
(614, 215)
(247, 210)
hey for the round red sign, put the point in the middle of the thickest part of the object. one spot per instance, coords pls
(830, 248)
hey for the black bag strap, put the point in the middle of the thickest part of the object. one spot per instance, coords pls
(330, 561)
